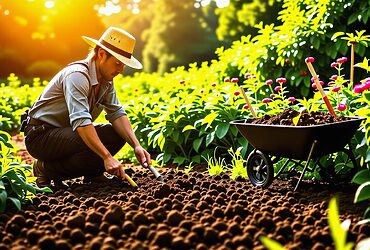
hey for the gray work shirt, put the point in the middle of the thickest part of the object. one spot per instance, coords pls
(69, 101)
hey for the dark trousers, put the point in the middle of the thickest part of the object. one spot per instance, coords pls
(64, 153)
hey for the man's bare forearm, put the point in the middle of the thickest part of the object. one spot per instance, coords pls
(91, 139)
(123, 127)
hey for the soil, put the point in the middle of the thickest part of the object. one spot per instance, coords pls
(187, 211)
(306, 118)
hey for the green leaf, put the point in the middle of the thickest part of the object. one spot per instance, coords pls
(367, 213)
(363, 192)
(188, 127)
(16, 202)
(209, 118)
(197, 143)
(179, 160)
(271, 244)
(337, 34)
(210, 137)
(296, 119)
(337, 232)
(361, 177)
(222, 129)
(3, 198)
(352, 18)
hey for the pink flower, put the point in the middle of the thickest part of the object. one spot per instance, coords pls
(272, 96)
(334, 77)
(313, 85)
(341, 107)
(266, 100)
(291, 99)
(281, 80)
(234, 80)
(336, 88)
(236, 93)
(310, 59)
(342, 59)
(247, 75)
(277, 88)
(213, 84)
(287, 60)
(331, 83)
(269, 81)
(227, 79)
(358, 88)
(313, 78)
(182, 81)
(245, 106)
(366, 84)
(333, 64)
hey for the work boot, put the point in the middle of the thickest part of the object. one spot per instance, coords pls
(39, 172)
(42, 180)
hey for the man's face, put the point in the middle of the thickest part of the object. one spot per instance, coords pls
(109, 66)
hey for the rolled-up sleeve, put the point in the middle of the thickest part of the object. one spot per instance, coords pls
(112, 105)
(76, 91)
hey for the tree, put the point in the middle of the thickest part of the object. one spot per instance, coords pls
(239, 17)
(177, 36)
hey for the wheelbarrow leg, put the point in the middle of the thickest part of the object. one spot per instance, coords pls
(307, 162)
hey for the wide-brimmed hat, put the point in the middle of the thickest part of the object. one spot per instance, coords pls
(119, 43)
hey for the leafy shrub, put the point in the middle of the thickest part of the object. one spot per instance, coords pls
(16, 182)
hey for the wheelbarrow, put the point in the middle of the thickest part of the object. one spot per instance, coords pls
(297, 144)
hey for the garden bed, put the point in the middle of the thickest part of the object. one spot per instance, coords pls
(188, 211)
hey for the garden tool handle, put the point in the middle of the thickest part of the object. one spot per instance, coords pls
(248, 102)
(154, 171)
(131, 181)
(318, 85)
(157, 175)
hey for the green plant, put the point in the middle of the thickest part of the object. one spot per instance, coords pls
(188, 168)
(237, 164)
(16, 183)
(362, 178)
(215, 165)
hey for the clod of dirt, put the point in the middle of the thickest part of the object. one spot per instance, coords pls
(174, 218)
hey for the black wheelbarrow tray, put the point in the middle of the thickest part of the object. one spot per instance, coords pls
(296, 143)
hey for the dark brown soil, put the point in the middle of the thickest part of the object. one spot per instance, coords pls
(306, 118)
(188, 211)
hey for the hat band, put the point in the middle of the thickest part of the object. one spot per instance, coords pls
(115, 49)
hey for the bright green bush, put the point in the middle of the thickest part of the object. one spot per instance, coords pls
(17, 186)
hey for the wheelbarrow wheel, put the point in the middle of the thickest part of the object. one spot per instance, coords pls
(260, 169)
(339, 166)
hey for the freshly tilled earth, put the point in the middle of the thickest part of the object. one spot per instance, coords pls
(187, 211)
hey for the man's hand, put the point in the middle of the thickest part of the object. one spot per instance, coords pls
(142, 156)
(113, 166)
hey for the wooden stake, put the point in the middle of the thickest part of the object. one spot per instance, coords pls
(352, 62)
(319, 87)
(248, 103)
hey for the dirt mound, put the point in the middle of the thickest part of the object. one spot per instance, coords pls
(305, 119)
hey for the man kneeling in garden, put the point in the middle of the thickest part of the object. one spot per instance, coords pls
(59, 131)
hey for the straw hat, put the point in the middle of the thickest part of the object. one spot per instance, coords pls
(119, 43)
